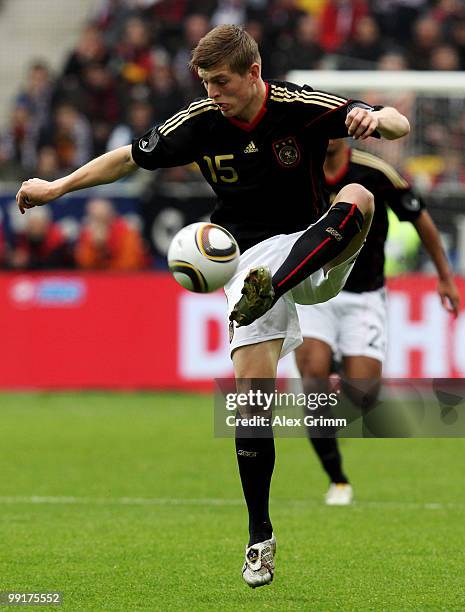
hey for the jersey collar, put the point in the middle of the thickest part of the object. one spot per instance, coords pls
(246, 126)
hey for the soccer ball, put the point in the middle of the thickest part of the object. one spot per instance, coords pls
(203, 257)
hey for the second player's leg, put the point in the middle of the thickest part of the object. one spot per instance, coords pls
(362, 379)
(314, 359)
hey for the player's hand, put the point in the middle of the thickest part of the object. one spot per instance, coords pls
(361, 123)
(449, 294)
(34, 192)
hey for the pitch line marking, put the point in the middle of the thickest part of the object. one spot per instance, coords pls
(209, 501)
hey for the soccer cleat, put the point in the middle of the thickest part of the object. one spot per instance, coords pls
(257, 297)
(339, 494)
(258, 568)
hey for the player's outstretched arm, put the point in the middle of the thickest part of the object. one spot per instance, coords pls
(429, 235)
(388, 122)
(104, 169)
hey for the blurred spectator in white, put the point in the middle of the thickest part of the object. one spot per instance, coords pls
(425, 38)
(41, 244)
(229, 11)
(195, 27)
(139, 120)
(365, 48)
(337, 22)
(108, 242)
(70, 135)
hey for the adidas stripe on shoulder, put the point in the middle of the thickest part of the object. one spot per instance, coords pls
(193, 110)
(317, 98)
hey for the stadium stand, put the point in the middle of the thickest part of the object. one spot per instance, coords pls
(126, 68)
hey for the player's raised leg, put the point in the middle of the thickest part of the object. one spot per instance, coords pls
(333, 239)
(314, 359)
(255, 368)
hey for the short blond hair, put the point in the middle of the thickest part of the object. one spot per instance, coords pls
(226, 44)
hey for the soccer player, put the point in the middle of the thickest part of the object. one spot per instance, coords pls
(261, 146)
(353, 324)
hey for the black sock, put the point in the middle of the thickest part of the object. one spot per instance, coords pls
(255, 457)
(318, 245)
(330, 457)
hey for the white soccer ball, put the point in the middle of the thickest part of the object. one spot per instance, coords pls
(203, 257)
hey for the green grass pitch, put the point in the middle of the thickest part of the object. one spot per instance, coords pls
(128, 502)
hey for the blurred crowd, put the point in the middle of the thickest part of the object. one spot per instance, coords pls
(129, 67)
(104, 241)
(129, 71)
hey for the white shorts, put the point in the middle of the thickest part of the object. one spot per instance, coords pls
(282, 320)
(352, 324)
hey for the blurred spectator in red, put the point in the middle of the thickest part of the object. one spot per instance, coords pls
(426, 37)
(366, 46)
(133, 53)
(139, 120)
(108, 242)
(448, 11)
(195, 27)
(70, 135)
(41, 245)
(337, 22)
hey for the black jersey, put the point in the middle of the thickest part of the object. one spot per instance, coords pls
(268, 175)
(389, 189)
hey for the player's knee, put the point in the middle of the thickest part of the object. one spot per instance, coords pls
(364, 394)
(364, 199)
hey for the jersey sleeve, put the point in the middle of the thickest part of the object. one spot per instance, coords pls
(399, 195)
(175, 142)
(327, 112)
